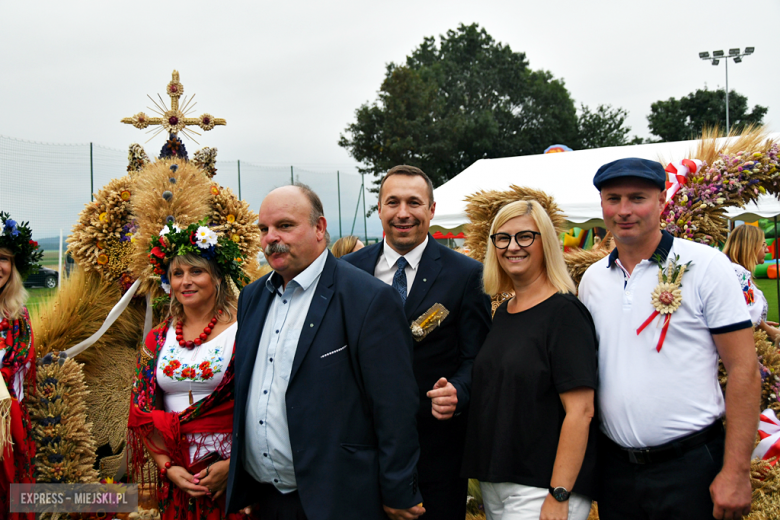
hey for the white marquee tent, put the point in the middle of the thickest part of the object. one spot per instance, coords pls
(568, 177)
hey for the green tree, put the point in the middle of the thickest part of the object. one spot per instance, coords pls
(467, 98)
(684, 118)
(604, 127)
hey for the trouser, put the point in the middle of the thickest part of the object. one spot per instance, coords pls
(273, 505)
(444, 499)
(510, 501)
(676, 489)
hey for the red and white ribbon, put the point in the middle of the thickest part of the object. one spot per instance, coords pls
(677, 173)
(667, 318)
(769, 431)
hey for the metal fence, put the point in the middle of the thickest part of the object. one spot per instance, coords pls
(48, 184)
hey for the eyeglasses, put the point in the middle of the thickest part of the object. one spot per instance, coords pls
(522, 238)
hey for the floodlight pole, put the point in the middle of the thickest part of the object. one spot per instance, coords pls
(734, 54)
(728, 126)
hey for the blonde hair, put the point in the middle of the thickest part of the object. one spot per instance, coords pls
(494, 278)
(344, 246)
(224, 299)
(13, 295)
(743, 244)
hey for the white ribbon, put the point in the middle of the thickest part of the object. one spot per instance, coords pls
(769, 431)
(110, 319)
(676, 175)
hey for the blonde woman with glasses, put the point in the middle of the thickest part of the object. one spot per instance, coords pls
(531, 437)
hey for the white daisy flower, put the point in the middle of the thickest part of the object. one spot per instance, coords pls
(166, 287)
(176, 228)
(164, 231)
(205, 237)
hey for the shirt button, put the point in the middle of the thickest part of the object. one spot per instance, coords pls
(628, 293)
(277, 332)
(271, 360)
(265, 454)
(265, 391)
(261, 422)
(284, 301)
(276, 480)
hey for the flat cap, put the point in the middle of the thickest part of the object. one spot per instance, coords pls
(631, 167)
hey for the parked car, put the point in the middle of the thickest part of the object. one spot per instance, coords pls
(45, 277)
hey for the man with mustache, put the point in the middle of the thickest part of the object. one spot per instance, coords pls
(664, 453)
(425, 273)
(325, 395)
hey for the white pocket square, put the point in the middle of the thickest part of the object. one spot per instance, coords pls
(333, 352)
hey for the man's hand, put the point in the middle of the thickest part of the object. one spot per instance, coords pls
(731, 494)
(405, 514)
(444, 399)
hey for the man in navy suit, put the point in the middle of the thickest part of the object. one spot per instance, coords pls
(432, 273)
(325, 396)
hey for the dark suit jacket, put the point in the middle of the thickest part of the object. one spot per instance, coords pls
(351, 414)
(455, 281)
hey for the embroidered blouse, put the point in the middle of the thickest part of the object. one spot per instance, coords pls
(200, 371)
(756, 302)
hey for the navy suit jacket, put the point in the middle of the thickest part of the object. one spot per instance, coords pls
(350, 411)
(455, 281)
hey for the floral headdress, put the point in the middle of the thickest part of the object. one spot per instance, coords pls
(17, 237)
(200, 240)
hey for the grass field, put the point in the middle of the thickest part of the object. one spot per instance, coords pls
(769, 288)
(36, 296)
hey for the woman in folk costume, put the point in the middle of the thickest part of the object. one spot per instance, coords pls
(746, 248)
(182, 399)
(19, 255)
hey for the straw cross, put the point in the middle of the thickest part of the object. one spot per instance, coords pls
(174, 120)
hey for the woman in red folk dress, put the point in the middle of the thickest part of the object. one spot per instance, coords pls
(19, 255)
(182, 399)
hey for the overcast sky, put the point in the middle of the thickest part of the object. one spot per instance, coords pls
(288, 76)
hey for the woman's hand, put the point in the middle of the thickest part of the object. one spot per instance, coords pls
(215, 478)
(182, 479)
(554, 510)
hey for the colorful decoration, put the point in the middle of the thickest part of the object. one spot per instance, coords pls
(557, 148)
(196, 239)
(667, 296)
(17, 238)
(769, 432)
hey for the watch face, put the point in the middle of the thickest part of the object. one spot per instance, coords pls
(560, 494)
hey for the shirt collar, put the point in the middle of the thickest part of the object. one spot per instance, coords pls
(304, 279)
(413, 257)
(662, 251)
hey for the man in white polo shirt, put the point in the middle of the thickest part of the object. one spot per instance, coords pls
(663, 453)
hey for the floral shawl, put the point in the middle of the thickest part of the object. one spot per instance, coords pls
(213, 414)
(16, 465)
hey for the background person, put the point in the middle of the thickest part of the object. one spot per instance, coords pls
(325, 388)
(531, 438)
(424, 273)
(19, 256)
(746, 247)
(346, 245)
(664, 453)
(182, 399)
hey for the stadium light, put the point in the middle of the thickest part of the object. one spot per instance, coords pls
(735, 55)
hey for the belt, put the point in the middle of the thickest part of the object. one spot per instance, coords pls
(670, 450)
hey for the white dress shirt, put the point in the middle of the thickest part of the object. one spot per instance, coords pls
(268, 456)
(386, 266)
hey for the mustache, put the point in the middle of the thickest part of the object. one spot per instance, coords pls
(276, 248)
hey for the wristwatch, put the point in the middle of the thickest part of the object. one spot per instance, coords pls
(560, 493)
